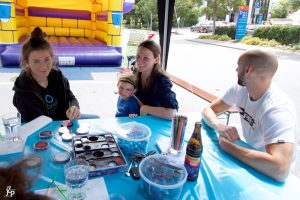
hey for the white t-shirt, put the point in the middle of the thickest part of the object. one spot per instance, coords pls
(270, 119)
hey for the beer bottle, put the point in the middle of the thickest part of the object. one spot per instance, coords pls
(193, 153)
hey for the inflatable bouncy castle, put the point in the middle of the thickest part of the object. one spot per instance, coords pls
(81, 32)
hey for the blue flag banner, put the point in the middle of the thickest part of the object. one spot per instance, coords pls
(242, 22)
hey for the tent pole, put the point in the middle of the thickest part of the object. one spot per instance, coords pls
(165, 34)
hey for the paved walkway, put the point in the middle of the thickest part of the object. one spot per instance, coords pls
(241, 46)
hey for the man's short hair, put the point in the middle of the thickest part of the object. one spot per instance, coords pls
(265, 62)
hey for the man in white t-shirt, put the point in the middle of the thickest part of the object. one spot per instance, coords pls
(268, 117)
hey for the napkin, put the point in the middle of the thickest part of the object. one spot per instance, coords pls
(95, 189)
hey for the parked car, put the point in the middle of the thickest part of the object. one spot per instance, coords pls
(206, 27)
(202, 27)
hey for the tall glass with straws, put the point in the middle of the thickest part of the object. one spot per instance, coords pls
(177, 134)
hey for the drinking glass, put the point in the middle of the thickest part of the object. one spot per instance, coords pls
(76, 176)
(12, 123)
(177, 134)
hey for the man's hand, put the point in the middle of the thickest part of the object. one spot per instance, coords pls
(223, 142)
(228, 132)
(73, 113)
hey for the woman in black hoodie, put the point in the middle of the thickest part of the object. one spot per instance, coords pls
(41, 88)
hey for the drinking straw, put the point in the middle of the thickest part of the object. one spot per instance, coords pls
(183, 129)
(175, 127)
(55, 184)
(179, 133)
(60, 191)
(50, 185)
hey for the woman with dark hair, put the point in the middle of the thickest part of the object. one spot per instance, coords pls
(41, 88)
(153, 86)
(15, 183)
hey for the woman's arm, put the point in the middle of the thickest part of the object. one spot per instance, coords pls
(73, 111)
(161, 112)
(139, 101)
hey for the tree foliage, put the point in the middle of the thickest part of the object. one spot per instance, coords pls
(280, 9)
(187, 11)
(294, 5)
(140, 16)
(217, 9)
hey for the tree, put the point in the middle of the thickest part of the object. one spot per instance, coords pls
(219, 8)
(141, 14)
(294, 4)
(187, 10)
(280, 9)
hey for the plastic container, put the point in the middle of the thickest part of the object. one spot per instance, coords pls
(133, 138)
(162, 177)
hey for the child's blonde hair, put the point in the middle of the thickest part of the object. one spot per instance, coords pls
(128, 78)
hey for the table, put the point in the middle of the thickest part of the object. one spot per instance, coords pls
(221, 176)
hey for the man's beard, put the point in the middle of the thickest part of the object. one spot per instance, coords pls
(241, 79)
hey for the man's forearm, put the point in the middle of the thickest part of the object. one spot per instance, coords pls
(210, 117)
(261, 161)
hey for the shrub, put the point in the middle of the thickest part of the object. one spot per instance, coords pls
(224, 38)
(206, 37)
(226, 30)
(287, 34)
(155, 26)
(215, 37)
(258, 41)
(272, 43)
(251, 40)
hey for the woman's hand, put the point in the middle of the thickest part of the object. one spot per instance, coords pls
(73, 113)
(144, 110)
(132, 115)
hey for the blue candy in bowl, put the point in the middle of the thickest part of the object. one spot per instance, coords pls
(133, 137)
(162, 177)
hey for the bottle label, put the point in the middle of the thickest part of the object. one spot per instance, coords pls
(194, 162)
(192, 165)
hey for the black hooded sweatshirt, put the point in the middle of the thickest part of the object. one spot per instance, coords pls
(30, 100)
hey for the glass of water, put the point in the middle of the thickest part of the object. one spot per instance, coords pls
(12, 123)
(76, 176)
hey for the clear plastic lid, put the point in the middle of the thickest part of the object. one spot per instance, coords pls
(162, 171)
(134, 131)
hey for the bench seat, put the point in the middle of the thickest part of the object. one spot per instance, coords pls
(202, 94)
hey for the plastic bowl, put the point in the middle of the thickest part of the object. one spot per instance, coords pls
(162, 177)
(133, 138)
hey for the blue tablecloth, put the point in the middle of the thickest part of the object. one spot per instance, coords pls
(221, 176)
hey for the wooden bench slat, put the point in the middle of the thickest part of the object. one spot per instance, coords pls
(200, 93)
